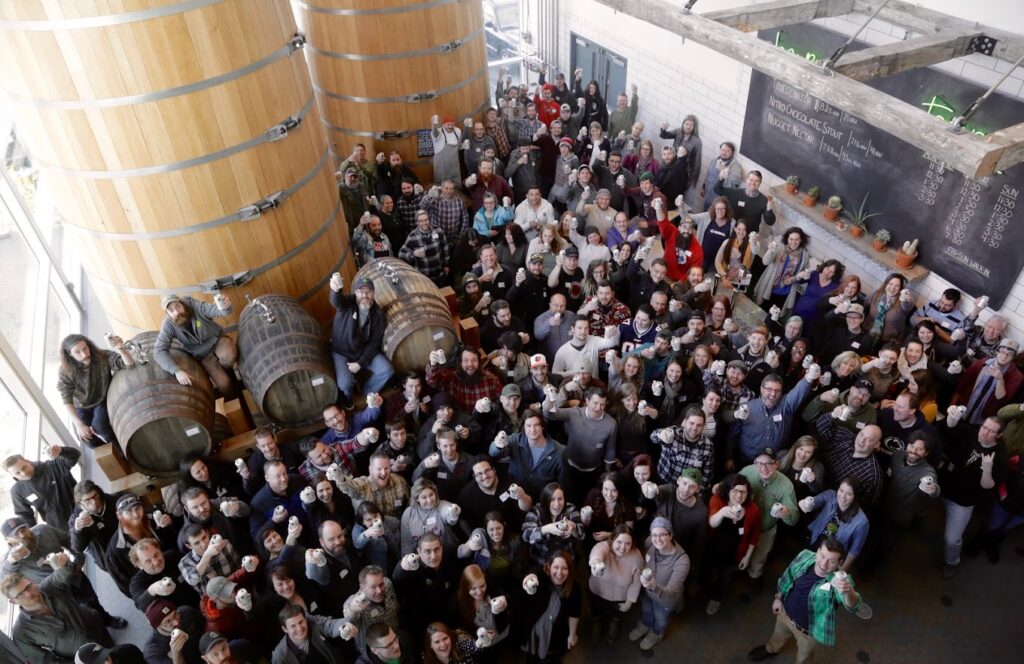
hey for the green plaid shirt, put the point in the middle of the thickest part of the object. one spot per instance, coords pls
(821, 601)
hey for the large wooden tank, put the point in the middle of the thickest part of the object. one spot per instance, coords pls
(284, 360)
(156, 419)
(382, 68)
(418, 317)
(183, 144)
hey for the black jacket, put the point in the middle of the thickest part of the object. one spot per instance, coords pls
(50, 492)
(355, 342)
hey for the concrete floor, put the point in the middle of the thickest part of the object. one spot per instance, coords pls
(918, 618)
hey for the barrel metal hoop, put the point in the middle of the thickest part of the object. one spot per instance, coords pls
(414, 98)
(449, 47)
(386, 135)
(332, 11)
(236, 279)
(293, 45)
(46, 25)
(274, 133)
(247, 213)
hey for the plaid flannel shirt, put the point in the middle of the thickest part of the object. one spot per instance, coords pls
(448, 214)
(837, 445)
(682, 454)
(497, 132)
(435, 247)
(390, 499)
(731, 397)
(612, 315)
(525, 128)
(223, 564)
(821, 601)
(343, 454)
(406, 209)
(465, 395)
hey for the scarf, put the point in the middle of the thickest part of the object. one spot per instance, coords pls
(984, 388)
(879, 322)
(792, 262)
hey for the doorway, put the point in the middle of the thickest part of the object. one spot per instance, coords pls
(598, 63)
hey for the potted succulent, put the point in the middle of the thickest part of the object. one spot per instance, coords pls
(811, 197)
(907, 254)
(792, 184)
(832, 209)
(882, 238)
(858, 219)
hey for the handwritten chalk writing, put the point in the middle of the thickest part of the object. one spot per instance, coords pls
(964, 259)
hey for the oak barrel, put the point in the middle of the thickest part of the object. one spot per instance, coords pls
(382, 68)
(183, 146)
(284, 360)
(417, 315)
(156, 419)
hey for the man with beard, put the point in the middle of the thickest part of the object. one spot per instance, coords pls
(446, 211)
(748, 204)
(599, 215)
(406, 207)
(83, 380)
(682, 250)
(353, 191)
(356, 339)
(646, 194)
(190, 323)
(484, 180)
(501, 322)
(525, 128)
(93, 522)
(427, 250)
(629, 145)
(603, 310)
(524, 165)
(673, 175)
(494, 127)
(338, 573)
(473, 302)
(726, 163)
(227, 520)
(465, 385)
(567, 277)
(44, 487)
(366, 168)
(615, 179)
(369, 241)
(582, 348)
(549, 144)
(495, 279)
(624, 115)
(529, 294)
(391, 172)
(766, 422)
(473, 146)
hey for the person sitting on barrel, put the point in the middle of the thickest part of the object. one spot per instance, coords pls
(356, 339)
(83, 380)
(190, 323)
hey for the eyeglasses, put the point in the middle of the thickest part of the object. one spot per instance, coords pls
(484, 473)
(21, 592)
(390, 644)
(764, 464)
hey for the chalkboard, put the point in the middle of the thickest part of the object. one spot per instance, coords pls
(967, 228)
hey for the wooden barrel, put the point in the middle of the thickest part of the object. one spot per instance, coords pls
(183, 144)
(284, 360)
(418, 317)
(156, 419)
(382, 68)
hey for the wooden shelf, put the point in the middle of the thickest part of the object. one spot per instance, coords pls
(863, 245)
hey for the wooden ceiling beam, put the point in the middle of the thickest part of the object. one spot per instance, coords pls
(929, 22)
(752, 18)
(1011, 150)
(889, 59)
(965, 152)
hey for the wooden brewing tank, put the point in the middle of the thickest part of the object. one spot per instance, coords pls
(183, 144)
(382, 68)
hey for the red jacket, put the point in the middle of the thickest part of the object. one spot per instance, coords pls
(677, 271)
(751, 524)
(1012, 380)
(547, 111)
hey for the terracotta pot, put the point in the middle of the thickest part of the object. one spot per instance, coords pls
(857, 231)
(809, 201)
(903, 260)
(832, 213)
(879, 246)
(791, 189)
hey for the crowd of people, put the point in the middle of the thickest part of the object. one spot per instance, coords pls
(617, 442)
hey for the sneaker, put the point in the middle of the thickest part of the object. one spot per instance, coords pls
(759, 654)
(650, 641)
(949, 571)
(638, 632)
(713, 607)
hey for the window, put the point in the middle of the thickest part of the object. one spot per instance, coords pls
(18, 273)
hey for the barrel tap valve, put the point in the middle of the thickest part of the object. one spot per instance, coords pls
(264, 310)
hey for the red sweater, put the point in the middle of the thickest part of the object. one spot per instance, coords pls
(677, 270)
(751, 524)
(547, 111)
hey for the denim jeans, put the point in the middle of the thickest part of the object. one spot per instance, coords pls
(653, 615)
(380, 371)
(957, 518)
(97, 418)
(1001, 521)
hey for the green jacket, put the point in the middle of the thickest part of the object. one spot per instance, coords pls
(859, 418)
(1013, 435)
(55, 639)
(779, 489)
(822, 599)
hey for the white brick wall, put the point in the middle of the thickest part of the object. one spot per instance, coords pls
(676, 78)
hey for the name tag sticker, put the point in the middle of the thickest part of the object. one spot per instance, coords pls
(431, 520)
(194, 431)
(319, 380)
(442, 476)
(312, 607)
(342, 574)
(946, 324)
(503, 497)
(31, 497)
(855, 344)
(860, 425)
(741, 203)
(777, 417)
(740, 531)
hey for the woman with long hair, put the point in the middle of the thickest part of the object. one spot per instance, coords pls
(735, 256)
(547, 243)
(605, 508)
(512, 251)
(479, 609)
(615, 568)
(503, 556)
(785, 263)
(801, 465)
(427, 513)
(596, 272)
(718, 310)
(845, 371)
(839, 516)
(594, 107)
(553, 524)
(220, 480)
(643, 160)
(83, 380)
(551, 606)
(888, 311)
(688, 136)
(443, 645)
(328, 504)
(376, 537)
(627, 370)
(820, 284)
(639, 471)
(634, 428)
(735, 522)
